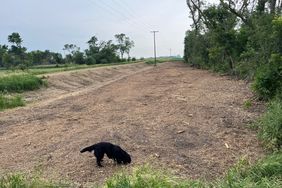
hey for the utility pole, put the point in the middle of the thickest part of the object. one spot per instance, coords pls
(155, 53)
(170, 52)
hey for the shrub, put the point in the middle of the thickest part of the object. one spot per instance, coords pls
(268, 80)
(133, 59)
(90, 61)
(21, 82)
(10, 102)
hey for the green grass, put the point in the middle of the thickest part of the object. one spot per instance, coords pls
(151, 61)
(21, 181)
(270, 126)
(7, 102)
(265, 173)
(19, 83)
(46, 69)
(146, 177)
(247, 104)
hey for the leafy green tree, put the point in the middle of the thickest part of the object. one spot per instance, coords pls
(124, 44)
(17, 53)
(15, 38)
(101, 52)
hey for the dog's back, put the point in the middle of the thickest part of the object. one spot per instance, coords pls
(104, 147)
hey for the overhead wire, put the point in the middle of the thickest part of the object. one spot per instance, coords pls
(128, 18)
(128, 10)
(117, 13)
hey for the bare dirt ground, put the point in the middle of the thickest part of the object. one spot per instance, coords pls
(171, 116)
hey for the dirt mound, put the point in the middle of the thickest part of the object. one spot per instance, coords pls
(172, 116)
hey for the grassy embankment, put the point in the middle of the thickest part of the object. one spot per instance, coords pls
(12, 85)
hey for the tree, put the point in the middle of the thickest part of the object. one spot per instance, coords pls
(72, 49)
(17, 53)
(3, 50)
(15, 38)
(124, 44)
(101, 52)
(128, 44)
(121, 43)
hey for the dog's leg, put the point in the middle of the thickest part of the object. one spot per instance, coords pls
(99, 157)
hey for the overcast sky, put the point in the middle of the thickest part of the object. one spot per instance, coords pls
(49, 24)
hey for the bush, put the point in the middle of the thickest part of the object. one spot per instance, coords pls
(19, 83)
(268, 80)
(270, 126)
(133, 59)
(10, 102)
(90, 61)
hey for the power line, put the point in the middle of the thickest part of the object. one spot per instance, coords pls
(115, 13)
(127, 18)
(128, 10)
(155, 53)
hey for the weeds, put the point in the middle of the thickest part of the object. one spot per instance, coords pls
(21, 181)
(7, 102)
(19, 83)
(247, 104)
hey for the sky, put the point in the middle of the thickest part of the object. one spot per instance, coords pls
(50, 24)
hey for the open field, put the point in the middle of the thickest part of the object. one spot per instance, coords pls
(47, 69)
(190, 121)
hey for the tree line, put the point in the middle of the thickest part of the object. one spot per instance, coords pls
(98, 52)
(241, 38)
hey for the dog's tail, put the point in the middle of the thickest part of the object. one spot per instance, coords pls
(89, 148)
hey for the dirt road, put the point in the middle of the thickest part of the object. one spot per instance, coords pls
(172, 116)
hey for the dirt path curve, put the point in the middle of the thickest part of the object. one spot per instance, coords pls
(169, 116)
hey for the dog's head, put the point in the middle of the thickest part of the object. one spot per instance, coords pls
(126, 158)
(122, 155)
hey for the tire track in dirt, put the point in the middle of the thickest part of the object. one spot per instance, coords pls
(170, 116)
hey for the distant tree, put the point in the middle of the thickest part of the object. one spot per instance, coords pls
(72, 49)
(101, 52)
(3, 50)
(121, 38)
(124, 44)
(15, 38)
(128, 45)
(17, 53)
(78, 58)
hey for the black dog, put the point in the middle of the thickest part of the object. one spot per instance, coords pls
(113, 152)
